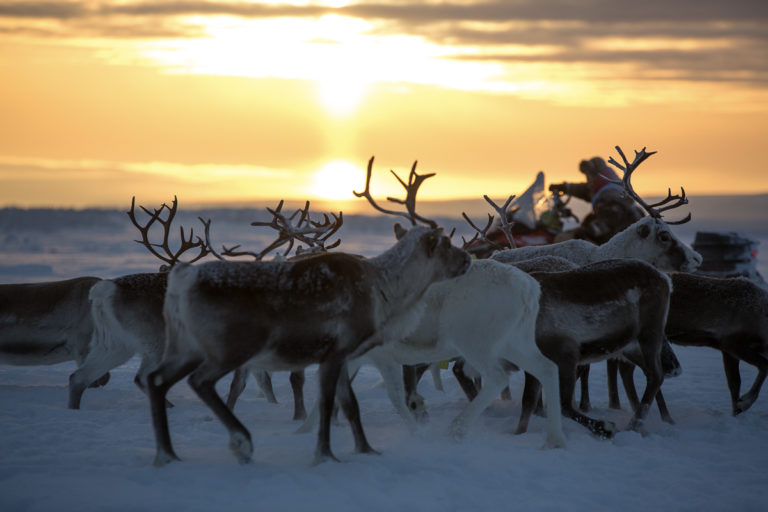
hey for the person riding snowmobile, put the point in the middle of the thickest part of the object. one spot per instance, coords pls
(612, 209)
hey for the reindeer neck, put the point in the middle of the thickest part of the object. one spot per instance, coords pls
(618, 246)
(389, 267)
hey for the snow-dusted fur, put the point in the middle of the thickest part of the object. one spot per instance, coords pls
(488, 317)
(127, 319)
(648, 239)
(287, 315)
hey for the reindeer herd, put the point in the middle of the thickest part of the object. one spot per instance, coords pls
(550, 311)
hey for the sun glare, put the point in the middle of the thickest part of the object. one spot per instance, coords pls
(336, 180)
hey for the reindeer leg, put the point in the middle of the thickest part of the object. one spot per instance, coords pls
(237, 386)
(627, 371)
(545, 372)
(329, 376)
(149, 362)
(746, 400)
(99, 361)
(159, 382)
(735, 351)
(731, 367)
(394, 376)
(531, 391)
(582, 373)
(495, 378)
(297, 385)
(352, 411)
(264, 380)
(567, 375)
(203, 381)
(611, 368)
(467, 384)
(654, 378)
(663, 411)
(437, 380)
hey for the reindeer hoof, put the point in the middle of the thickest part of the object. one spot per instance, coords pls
(457, 431)
(605, 429)
(324, 457)
(241, 446)
(742, 404)
(369, 450)
(164, 458)
(554, 442)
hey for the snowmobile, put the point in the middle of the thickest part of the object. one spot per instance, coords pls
(536, 218)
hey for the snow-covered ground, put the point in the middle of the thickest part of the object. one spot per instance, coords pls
(100, 457)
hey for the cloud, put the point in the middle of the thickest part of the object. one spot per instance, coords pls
(563, 31)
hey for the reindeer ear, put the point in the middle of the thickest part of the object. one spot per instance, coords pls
(400, 231)
(643, 230)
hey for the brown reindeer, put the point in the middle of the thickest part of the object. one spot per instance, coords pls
(727, 314)
(593, 313)
(47, 323)
(285, 315)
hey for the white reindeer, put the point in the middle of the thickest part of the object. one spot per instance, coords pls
(488, 317)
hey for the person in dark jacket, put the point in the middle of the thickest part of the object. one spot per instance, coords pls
(612, 208)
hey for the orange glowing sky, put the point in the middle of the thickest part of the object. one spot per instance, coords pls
(218, 101)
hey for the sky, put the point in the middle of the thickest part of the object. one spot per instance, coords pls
(227, 101)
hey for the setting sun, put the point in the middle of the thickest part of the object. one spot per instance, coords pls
(336, 180)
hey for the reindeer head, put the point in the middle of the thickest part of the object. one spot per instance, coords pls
(650, 238)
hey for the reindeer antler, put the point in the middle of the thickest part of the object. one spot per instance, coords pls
(168, 256)
(411, 189)
(652, 209)
(506, 226)
(314, 234)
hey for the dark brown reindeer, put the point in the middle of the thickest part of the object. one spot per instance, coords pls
(726, 314)
(127, 311)
(593, 313)
(47, 323)
(285, 315)
(316, 235)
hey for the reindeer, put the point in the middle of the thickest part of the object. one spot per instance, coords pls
(727, 314)
(602, 310)
(486, 316)
(47, 323)
(661, 249)
(127, 311)
(286, 315)
(315, 235)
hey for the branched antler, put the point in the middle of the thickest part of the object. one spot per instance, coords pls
(411, 189)
(504, 216)
(652, 209)
(167, 255)
(314, 234)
